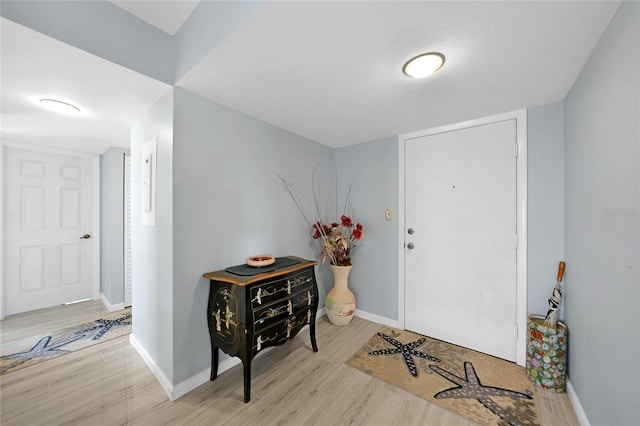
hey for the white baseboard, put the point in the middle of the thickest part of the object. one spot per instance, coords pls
(186, 386)
(109, 306)
(577, 407)
(160, 376)
(202, 377)
(376, 318)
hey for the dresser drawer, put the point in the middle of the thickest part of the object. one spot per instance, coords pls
(279, 332)
(274, 312)
(263, 294)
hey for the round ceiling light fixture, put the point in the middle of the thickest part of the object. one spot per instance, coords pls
(423, 65)
(60, 106)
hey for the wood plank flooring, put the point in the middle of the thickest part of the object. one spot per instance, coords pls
(109, 384)
(27, 324)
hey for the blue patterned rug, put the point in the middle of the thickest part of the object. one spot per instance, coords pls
(33, 350)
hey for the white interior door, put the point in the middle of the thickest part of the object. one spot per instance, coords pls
(48, 210)
(460, 203)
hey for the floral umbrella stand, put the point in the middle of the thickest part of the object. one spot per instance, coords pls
(337, 241)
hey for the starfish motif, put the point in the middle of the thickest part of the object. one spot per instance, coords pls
(39, 350)
(104, 325)
(406, 351)
(471, 388)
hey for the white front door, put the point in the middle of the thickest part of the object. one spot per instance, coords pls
(48, 228)
(460, 217)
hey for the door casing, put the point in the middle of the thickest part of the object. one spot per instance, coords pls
(521, 211)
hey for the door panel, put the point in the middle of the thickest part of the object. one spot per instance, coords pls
(70, 210)
(32, 207)
(48, 208)
(460, 277)
(32, 267)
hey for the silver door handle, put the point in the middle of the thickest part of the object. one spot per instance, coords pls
(410, 246)
(85, 237)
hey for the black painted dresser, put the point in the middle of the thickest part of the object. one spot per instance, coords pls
(248, 313)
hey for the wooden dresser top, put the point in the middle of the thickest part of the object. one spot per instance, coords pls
(241, 280)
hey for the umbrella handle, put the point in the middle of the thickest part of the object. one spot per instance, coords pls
(560, 271)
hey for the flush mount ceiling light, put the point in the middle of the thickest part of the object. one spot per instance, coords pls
(60, 106)
(423, 65)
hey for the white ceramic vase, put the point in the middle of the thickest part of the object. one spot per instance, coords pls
(340, 302)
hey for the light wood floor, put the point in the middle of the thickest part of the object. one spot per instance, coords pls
(110, 384)
(20, 326)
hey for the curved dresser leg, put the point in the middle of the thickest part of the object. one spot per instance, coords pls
(312, 334)
(247, 380)
(214, 363)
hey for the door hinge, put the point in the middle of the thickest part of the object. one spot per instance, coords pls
(517, 241)
(517, 149)
(516, 331)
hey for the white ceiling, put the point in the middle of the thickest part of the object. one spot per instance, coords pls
(330, 71)
(35, 66)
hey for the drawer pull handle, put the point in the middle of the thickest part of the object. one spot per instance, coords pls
(289, 307)
(289, 327)
(259, 342)
(288, 287)
(308, 317)
(258, 297)
(309, 297)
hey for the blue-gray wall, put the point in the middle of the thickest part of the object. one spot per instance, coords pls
(219, 201)
(602, 225)
(112, 224)
(152, 254)
(545, 203)
(371, 169)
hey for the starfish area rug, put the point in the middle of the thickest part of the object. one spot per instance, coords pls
(36, 349)
(482, 388)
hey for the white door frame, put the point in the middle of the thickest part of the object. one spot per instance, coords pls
(521, 210)
(95, 205)
(127, 279)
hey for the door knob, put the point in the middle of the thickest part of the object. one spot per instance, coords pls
(85, 237)
(410, 246)
(410, 231)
